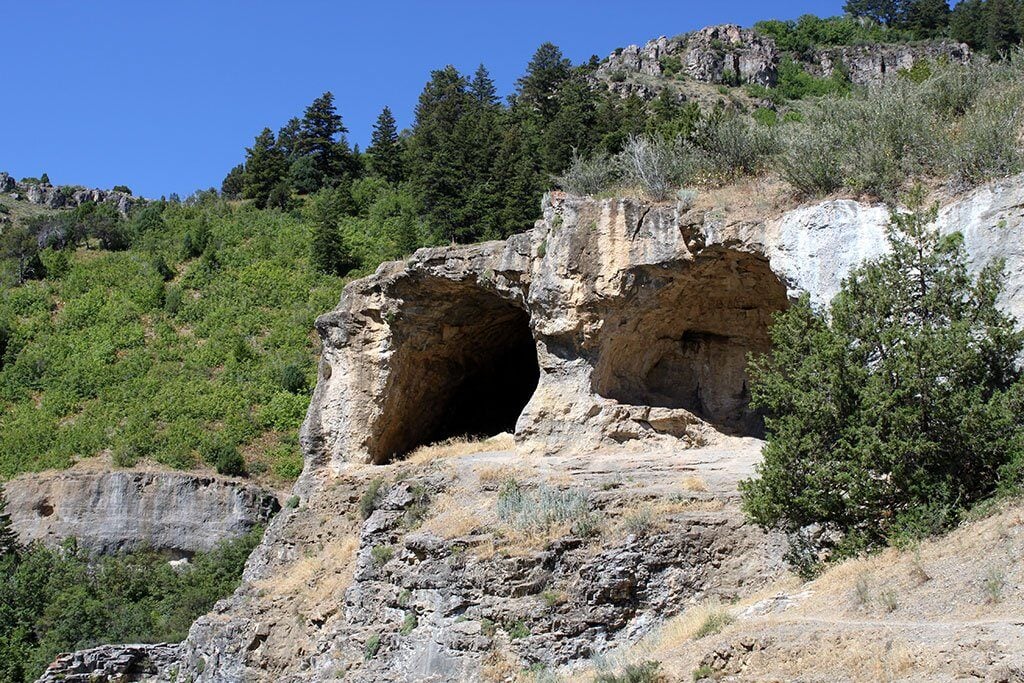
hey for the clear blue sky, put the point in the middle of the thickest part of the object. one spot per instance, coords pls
(164, 96)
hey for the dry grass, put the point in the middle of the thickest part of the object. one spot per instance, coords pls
(458, 514)
(460, 446)
(694, 483)
(318, 578)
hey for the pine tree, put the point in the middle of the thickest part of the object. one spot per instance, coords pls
(265, 168)
(322, 142)
(436, 153)
(480, 130)
(9, 545)
(898, 410)
(545, 73)
(518, 178)
(573, 127)
(385, 150)
(928, 18)
(288, 138)
(967, 23)
(234, 183)
(1002, 31)
(329, 251)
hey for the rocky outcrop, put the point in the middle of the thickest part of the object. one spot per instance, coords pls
(731, 55)
(65, 196)
(119, 663)
(610, 321)
(176, 513)
(637, 317)
(871, 64)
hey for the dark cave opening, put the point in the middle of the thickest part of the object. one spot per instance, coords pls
(685, 339)
(465, 363)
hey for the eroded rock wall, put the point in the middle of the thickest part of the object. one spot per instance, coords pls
(107, 512)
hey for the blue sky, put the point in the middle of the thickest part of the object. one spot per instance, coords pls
(163, 96)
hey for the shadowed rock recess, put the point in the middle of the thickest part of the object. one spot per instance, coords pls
(610, 324)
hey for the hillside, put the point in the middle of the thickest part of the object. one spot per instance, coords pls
(506, 387)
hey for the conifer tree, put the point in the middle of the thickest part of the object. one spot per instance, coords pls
(545, 73)
(898, 410)
(573, 127)
(9, 545)
(265, 168)
(385, 150)
(330, 252)
(234, 183)
(288, 138)
(928, 18)
(436, 155)
(322, 142)
(1002, 30)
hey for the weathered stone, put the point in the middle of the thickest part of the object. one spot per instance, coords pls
(149, 662)
(106, 512)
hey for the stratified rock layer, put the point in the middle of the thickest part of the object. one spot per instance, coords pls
(176, 513)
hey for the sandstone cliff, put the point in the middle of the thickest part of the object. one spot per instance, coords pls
(176, 513)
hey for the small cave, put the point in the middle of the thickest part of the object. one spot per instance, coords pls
(464, 363)
(683, 338)
(43, 508)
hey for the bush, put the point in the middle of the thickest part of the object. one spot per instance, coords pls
(899, 409)
(588, 175)
(714, 623)
(541, 508)
(656, 164)
(371, 498)
(647, 672)
(225, 458)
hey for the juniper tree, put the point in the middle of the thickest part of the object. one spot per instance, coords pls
(897, 410)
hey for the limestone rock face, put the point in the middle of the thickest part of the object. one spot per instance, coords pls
(870, 64)
(65, 196)
(610, 321)
(728, 54)
(113, 663)
(176, 513)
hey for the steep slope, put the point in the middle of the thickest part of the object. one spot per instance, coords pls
(488, 564)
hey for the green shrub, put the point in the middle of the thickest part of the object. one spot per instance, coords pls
(409, 624)
(292, 502)
(224, 457)
(714, 623)
(540, 508)
(899, 409)
(381, 555)
(371, 647)
(371, 497)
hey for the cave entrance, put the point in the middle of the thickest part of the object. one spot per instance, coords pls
(684, 340)
(465, 363)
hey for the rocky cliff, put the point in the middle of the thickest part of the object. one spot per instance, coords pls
(172, 512)
(64, 196)
(610, 340)
(731, 55)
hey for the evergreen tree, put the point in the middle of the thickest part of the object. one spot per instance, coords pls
(901, 408)
(44, 179)
(573, 127)
(330, 251)
(928, 18)
(888, 12)
(9, 545)
(519, 178)
(481, 131)
(385, 150)
(288, 138)
(234, 183)
(436, 152)
(265, 168)
(967, 23)
(1002, 30)
(545, 74)
(322, 142)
